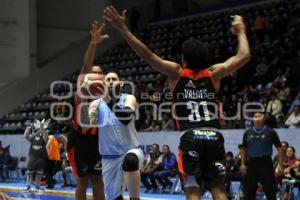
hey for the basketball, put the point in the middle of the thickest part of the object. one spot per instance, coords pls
(92, 85)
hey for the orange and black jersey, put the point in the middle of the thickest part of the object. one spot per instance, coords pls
(196, 100)
(81, 117)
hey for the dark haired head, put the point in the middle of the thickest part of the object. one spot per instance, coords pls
(285, 143)
(157, 145)
(293, 149)
(195, 54)
(229, 153)
(114, 72)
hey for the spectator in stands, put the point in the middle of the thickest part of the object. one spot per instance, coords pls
(153, 127)
(167, 123)
(275, 107)
(148, 121)
(69, 179)
(4, 160)
(260, 25)
(290, 158)
(293, 121)
(280, 77)
(270, 120)
(150, 166)
(166, 168)
(295, 102)
(230, 169)
(284, 145)
(289, 162)
(159, 87)
(262, 67)
(283, 93)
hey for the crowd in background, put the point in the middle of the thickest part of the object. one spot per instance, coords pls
(271, 78)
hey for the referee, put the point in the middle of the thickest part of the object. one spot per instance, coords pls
(256, 161)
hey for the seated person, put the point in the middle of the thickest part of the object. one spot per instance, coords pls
(150, 166)
(232, 170)
(289, 161)
(4, 161)
(69, 179)
(167, 168)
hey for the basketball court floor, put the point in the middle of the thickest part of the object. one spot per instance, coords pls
(14, 190)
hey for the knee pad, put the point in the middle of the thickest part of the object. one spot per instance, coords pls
(130, 163)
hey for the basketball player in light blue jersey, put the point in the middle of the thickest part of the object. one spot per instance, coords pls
(122, 159)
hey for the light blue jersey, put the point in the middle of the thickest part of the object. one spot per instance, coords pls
(115, 138)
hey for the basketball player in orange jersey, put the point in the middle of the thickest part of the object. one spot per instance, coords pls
(195, 87)
(83, 153)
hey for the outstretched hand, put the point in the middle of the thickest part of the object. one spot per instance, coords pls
(96, 32)
(237, 25)
(114, 18)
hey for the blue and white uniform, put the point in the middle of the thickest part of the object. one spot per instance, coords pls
(115, 141)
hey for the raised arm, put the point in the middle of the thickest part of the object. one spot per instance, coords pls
(242, 56)
(28, 136)
(170, 69)
(97, 38)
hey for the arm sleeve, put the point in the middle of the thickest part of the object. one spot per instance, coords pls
(93, 112)
(172, 163)
(275, 139)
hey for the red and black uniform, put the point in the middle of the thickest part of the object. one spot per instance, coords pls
(201, 148)
(83, 153)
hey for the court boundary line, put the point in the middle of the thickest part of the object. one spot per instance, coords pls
(60, 193)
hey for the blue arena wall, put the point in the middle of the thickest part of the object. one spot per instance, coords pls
(19, 146)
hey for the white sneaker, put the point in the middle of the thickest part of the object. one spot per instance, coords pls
(27, 189)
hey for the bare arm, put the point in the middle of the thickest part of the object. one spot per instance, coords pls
(280, 157)
(64, 141)
(170, 69)
(242, 56)
(96, 38)
(243, 155)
